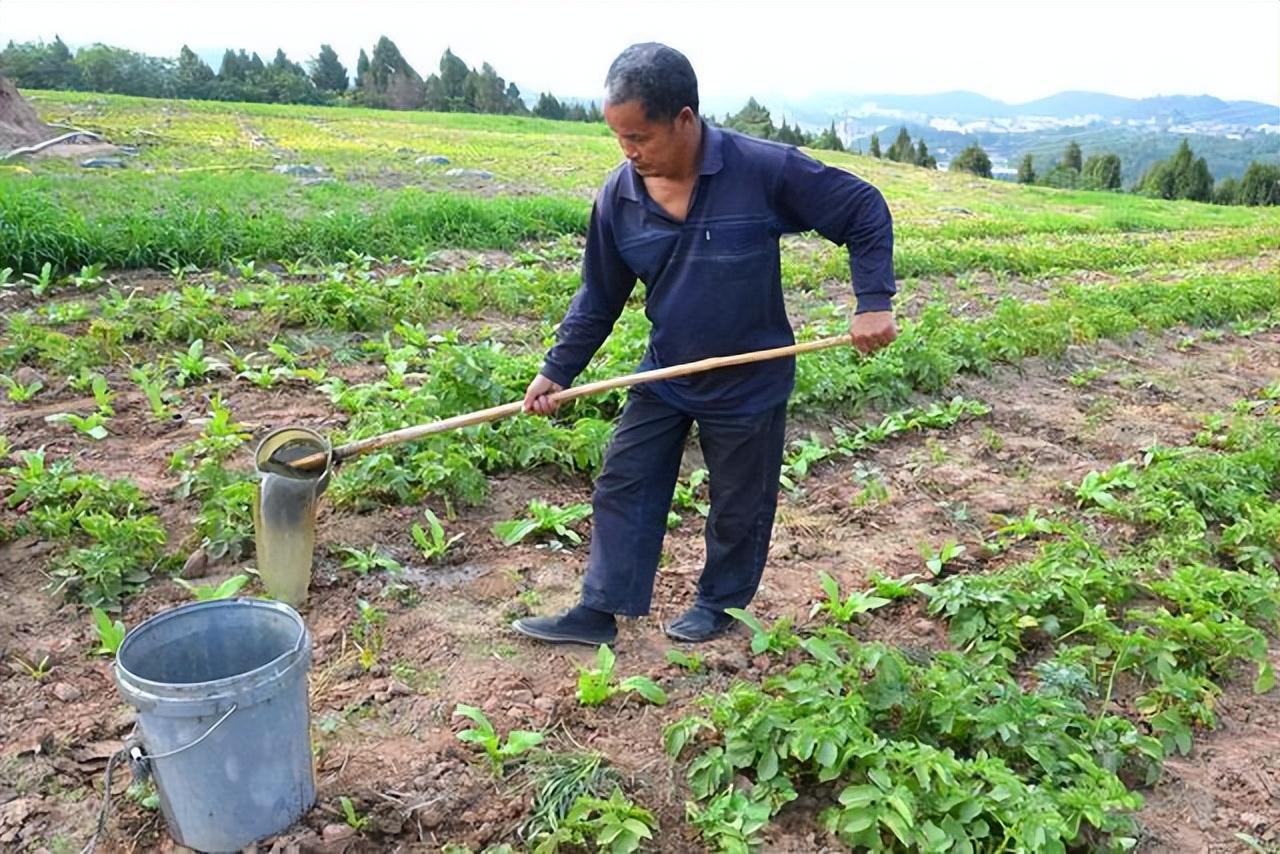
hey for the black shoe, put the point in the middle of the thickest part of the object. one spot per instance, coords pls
(577, 625)
(699, 624)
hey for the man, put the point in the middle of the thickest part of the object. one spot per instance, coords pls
(695, 213)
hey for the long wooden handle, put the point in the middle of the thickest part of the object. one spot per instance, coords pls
(408, 434)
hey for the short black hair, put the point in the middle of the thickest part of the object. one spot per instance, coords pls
(657, 76)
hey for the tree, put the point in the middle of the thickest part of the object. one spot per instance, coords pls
(902, 151)
(193, 78)
(1260, 185)
(548, 107)
(1101, 172)
(753, 119)
(972, 159)
(1071, 157)
(1227, 192)
(1026, 171)
(1182, 176)
(327, 73)
(924, 158)
(874, 150)
(390, 81)
(829, 140)
(362, 66)
(515, 104)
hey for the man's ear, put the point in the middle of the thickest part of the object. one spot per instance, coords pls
(686, 117)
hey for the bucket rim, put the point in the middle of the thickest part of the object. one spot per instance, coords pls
(326, 447)
(212, 687)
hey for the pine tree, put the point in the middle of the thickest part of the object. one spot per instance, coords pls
(1260, 185)
(1071, 157)
(1026, 171)
(1101, 172)
(327, 73)
(548, 107)
(924, 158)
(902, 150)
(193, 78)
(874, 149)
(362, 66)
(972, 159)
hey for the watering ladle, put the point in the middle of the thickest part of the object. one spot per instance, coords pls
(294, 465)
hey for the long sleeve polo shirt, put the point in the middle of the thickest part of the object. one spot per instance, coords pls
(713, 283)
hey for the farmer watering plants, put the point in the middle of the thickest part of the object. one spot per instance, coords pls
(695, 213)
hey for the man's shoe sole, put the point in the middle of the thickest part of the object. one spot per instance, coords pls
(553, 637)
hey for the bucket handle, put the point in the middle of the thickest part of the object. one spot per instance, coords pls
(137, 755)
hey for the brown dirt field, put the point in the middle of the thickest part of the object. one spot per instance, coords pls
(385, 738)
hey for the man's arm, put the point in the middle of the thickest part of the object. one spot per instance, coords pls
(607, 282)
(850, 212)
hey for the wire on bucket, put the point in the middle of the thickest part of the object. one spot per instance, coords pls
(139, 766)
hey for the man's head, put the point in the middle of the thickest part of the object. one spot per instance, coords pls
(651, 105)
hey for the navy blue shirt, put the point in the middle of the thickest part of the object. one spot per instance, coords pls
(713, 283)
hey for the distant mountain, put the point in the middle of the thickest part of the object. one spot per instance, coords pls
(1230, 134)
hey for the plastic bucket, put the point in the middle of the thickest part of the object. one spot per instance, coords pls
(221, 694)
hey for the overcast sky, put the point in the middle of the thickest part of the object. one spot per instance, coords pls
(1016, 51)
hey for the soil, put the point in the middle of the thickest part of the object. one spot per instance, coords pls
(385, 737)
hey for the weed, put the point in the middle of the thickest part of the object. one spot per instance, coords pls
(596, 684)
(362, 562)
(354, 819)
(434, 545)
(499, 751)
(545, 519)
(210, 593)
(110, 633)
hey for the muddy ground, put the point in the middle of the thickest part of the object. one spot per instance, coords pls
(385, 738)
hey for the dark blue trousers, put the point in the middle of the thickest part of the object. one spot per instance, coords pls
(633, 494)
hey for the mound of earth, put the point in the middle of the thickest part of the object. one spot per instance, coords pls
(19, 124)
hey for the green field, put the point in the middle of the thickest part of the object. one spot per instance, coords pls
(1025, 557)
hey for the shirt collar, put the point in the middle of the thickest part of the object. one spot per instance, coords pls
(711, 163)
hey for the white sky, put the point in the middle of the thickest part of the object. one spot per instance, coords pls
(1016, 50)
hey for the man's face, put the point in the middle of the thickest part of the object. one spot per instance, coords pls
(657, 149)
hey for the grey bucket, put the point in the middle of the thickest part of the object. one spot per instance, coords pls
(221, 694)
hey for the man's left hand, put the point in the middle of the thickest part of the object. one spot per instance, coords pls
(872, 330)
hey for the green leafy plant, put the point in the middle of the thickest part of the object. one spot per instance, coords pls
(367, 633)
(596, 685)
(544, 519)
(90, 425)
(110, 633)
(689, 661)
(153, 386)
(778, 638)
(354, 819)
(210, 593)
(936, 560)
(42, 282)
(364, 561)
(433, 545)
(498, 750)
(614, 824)
(20, 392)
(37, 670)
(847, 609)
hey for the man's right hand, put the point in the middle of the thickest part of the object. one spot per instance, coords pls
(537, 399)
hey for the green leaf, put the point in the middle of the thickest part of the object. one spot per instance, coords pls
(645, 687)
(1266, 678)
(823, 651)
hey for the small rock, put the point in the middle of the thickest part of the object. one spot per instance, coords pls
(298, 169)
(432, 160)
(546, 705)
(102, 163)
(399, 689)
(337, 832)
(66, 693)
(734, 661)
(27, 375)
(469, 173)
(923, 626)
(521, 696)
(1252, 820)
(760, 662)
(196, 566)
